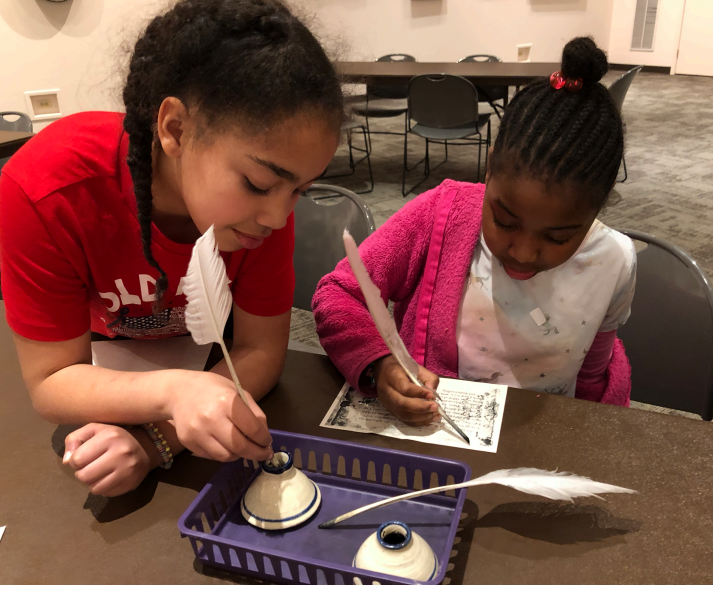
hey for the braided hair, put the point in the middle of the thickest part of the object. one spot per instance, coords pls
(250, 62)
(562, 136)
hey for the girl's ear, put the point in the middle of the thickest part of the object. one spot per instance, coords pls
(171, 126)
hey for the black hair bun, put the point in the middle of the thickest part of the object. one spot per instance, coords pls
(581, 58)
(272, 26)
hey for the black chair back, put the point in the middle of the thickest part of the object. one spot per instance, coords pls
(392, 90)
(620, 87)
(23, 123)
(318, 237)
(443, 101)
(488, 93)
(397, 57)
(669, 336)
(481, 57)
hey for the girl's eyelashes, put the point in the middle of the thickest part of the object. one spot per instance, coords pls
(255, 190)
(558, 242)
(513, 227)
(501, 224)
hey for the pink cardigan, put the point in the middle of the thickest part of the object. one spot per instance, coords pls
(420, 260)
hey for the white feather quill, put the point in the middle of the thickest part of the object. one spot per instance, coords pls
(207, 290)
(386, 326)
(383, 320)
(550, 484)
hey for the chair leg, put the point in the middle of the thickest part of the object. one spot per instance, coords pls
(368, 133)
(403, 177)
(626, 174)
(368, 160)
(480, 151)
(426, 166)
(354, 163)
(351, 151)
(487, 150)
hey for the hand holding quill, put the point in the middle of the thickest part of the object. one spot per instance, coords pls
(206, 286)
(385, 323)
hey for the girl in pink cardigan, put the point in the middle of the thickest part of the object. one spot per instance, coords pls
(512, 282)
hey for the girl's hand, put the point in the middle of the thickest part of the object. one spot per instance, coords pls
(212, 421)
(410, 403)
(109, 459)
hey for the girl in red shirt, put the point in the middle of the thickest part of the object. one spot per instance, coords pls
(232, 109)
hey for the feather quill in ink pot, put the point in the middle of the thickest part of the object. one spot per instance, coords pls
(386, 326)
(206, 286)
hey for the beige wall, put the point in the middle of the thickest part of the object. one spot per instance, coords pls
(666, 36)
(74, 46)
(446, 30)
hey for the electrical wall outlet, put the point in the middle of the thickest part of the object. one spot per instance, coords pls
(43, 105)
(523, 52)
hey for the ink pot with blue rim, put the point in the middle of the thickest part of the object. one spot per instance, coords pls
(397, 550)
(281, 496)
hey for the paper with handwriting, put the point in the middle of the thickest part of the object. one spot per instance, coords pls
(477, 408)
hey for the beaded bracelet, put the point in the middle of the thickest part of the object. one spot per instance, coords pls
(161, 444)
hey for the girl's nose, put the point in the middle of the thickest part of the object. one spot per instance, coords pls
(276, 211)
(524, 249)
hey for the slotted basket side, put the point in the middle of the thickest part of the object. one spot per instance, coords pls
(377, 465)
(318, 455)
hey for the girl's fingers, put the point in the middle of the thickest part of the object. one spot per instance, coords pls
(252, 451)
(401, 383)
(89, 452)
(225, 443)
(235, 450)
(245, 418)
(402, 405)
(429, 379)
(257, 412)
(417, 392)
(77, 438)
(95, 471)
(105, 485)
(418, 421)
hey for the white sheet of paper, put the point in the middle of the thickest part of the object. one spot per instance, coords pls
(150, 355)
(2, 532)
(477, 408)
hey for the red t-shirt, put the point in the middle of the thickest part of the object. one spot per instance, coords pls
(70, 248)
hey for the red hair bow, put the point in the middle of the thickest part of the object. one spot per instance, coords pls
(558, 81)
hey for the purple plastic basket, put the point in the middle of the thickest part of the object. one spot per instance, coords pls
(349, 476)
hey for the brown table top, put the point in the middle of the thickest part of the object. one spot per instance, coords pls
(509, 74)
(6, 136)
(11, 141)
(57, 533)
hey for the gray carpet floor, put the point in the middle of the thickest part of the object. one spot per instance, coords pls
(669, 156)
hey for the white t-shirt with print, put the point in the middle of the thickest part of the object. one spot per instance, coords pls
(500, 342)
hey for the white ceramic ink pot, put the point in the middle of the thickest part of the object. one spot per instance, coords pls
(395, 549)
(281, 496)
